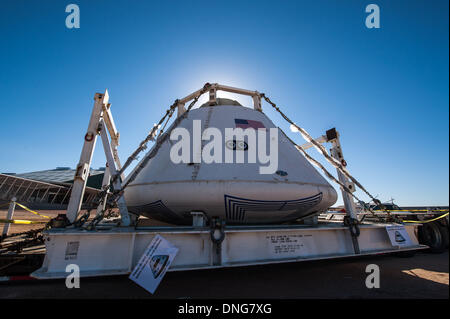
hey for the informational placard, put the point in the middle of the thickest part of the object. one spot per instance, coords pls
(154, 263)
(398, 235)
(290, 245)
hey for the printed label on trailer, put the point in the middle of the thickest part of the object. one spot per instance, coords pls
(398, 235)
(72, 250)
(287, 244)
(154, 263)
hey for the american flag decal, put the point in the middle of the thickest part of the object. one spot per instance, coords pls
(241, 123)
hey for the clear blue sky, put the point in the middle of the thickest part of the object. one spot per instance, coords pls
(385, 90)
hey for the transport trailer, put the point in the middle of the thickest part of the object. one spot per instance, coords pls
(112, 250)
(277, 220)
(433, 222)
(116, 250)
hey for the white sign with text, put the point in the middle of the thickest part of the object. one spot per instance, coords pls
(398, 235)
(154, 263)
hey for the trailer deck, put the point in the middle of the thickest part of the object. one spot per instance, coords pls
(116, 251)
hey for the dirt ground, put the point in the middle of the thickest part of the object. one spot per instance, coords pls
(423, 276)
(25, 215)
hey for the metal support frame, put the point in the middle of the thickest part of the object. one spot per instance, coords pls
(336, 152)
(105, 185)
(332, 136)
(113, 171)
(9, 216)
(256, 96)
(100, 121)
(213, 96)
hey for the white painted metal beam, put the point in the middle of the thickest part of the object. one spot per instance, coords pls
(117, 251)
(83, 167)
(216, 87)
(113, 171)
(321, 140)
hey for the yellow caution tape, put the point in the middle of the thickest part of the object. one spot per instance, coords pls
(425, 221)
(20, 221)
(32, 211)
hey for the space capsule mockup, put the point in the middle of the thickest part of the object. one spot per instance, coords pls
(236, 192)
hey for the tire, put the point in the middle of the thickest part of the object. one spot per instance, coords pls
(432, 235)
(443, 223)
(444, 233)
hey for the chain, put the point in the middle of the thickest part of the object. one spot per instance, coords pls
(330, 159)
(20, 245)
(32, 238)
(160, 139)
(83, 219)
(161, 131)
(143, 145)
(326, 172)
(152, 134)
(28, 233)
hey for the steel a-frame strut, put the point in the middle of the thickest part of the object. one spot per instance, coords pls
(100, 122)
(332, 136)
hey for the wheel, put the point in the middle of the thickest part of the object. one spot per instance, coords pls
(443, 224)
(444, 232)
(430, 234)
